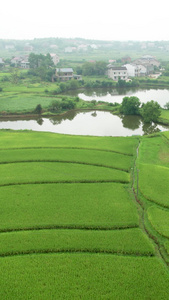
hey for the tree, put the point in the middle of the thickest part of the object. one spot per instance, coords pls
(130, 106)
(151, 111)
(14, 76)
(166, 106)
(38, 109)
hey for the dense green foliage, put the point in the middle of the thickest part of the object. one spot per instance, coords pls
(85, 276)
(42, 66)
(150, 111)
(130, 106)
(92, 68)
(67, 205)
(128, 241)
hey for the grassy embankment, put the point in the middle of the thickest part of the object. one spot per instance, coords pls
(70, 225)
(153, 165)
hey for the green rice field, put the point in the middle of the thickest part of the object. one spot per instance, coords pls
(71, 225)
(152, 179)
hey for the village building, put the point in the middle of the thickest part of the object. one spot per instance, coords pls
(117, 72)
(147, 60)
(55, 58)
(16, 61)
(65, 74)
(25, 64)
(133, 70)
(1, 62)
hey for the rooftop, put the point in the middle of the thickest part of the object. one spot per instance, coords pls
(65, 70)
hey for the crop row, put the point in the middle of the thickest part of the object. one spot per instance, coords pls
(83, 276)
(96, 205)
(18, 139)
(93, 157)
(16, 173)
(128, 241)
(153, 183)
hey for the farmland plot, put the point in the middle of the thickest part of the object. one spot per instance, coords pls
(70, 226)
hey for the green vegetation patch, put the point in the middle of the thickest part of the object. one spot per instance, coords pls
(23, 103)
(159, 218)
(22, 139)
(153, 183)
(102, 158)
(154, 150)
(166, 245)
(128, 241)
(43, 172)
(166, 134)
(83, 276)
(97, 205)
(164, 117)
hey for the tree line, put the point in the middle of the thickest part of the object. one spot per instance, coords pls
(150, 111)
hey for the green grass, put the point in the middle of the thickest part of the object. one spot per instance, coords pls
(153, 183)
(166, 245)
(18, 103)
(159, 219)
(22, 139)
(44, 172)
(83, 276)
(105, 205)
(154, 150)
(27, 87)
(164, 117)
(93, 157)
(128, 241)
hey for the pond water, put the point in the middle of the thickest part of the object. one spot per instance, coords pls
(117, 95)
(96, 123)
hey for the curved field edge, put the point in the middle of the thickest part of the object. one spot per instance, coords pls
(96, 205)
(15, 173)
(91, 157)
(153, 183)
(17, 139)
(128, 241)
(50, 276)
(159, 219)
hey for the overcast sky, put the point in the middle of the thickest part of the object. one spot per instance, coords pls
(104, 20)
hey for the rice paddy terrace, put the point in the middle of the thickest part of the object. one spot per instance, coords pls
(73, 224)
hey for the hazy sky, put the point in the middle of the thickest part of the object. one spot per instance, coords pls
(104, 20)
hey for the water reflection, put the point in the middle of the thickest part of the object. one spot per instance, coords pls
(98, 123)
(150, 128)
(40, 121)
(131, 122)
(116, 95)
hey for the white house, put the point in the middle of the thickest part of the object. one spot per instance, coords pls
(1, 62)
(132, 70)
(117, 72)
(55, 58)
(25, 64)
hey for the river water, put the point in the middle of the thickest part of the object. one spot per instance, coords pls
(97, 123)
